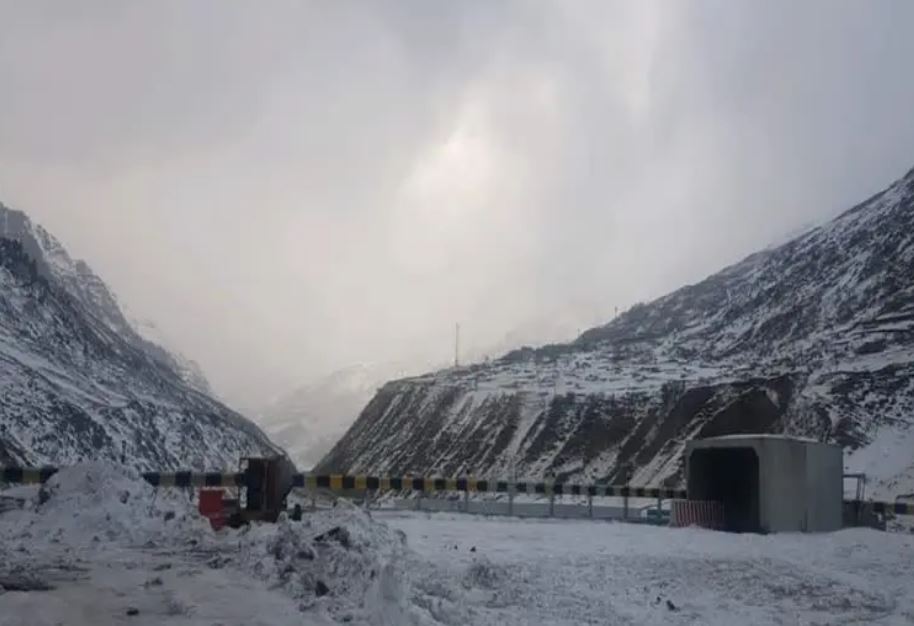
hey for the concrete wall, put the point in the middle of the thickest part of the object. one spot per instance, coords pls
(824, 488)
(800, 482)
(782, 471)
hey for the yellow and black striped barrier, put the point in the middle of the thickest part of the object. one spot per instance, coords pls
(898, 508)
(26, 475)
(37, 475)
(341, 483)
(195, 479)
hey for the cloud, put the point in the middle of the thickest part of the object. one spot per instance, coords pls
(288, 187)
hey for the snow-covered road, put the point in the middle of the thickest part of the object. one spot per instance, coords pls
(473, 570)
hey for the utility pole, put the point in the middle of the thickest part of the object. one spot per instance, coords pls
(457, 346)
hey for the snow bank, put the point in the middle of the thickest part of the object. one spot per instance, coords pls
(339, 561)
(95, 502)
(338, 564)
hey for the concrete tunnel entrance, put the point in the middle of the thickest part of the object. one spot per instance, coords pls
(729, 476)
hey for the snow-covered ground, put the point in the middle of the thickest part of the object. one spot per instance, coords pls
(99, 546)
(473, 570)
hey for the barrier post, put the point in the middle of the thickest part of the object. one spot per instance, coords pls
(466, 499)
(625, 506)
(551, 503)
(511, 500)
(589, 506)
(659, 509)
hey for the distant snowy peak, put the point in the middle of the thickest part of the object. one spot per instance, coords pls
(814, 337)
(189, 370)
(356, 378)
(310, 419)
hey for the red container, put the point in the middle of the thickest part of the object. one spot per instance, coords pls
(211, 507)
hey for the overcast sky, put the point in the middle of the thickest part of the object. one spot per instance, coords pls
(289, 187)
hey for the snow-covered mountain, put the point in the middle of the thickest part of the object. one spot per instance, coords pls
(814, 337)
(310, 419)
(189, 370)
(77, 381)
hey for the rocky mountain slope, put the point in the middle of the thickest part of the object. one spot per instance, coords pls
(311, 418)
(77, 382)
(814, 338)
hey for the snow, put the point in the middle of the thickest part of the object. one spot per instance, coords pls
(344, 549)
(99, 540)
(889, 454)
(77, 382)
(764, 436)
(97, 543)
(472, 570)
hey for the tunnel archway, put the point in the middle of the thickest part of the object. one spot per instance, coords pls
(729, 476)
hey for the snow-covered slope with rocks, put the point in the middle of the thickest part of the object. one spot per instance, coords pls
(78, 382)
(814, 338)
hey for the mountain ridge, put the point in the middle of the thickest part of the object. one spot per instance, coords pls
(806, 338)
(78, 382)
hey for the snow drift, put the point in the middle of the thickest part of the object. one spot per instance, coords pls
(91, 504)
(339, 564)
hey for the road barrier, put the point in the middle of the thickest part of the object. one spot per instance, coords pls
(195, 479)
(340, 482)
(34, 475)
(344, 483)
(26, 475)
